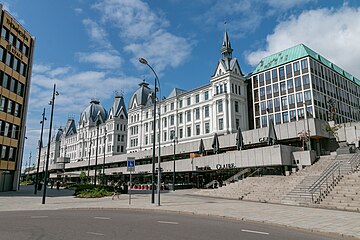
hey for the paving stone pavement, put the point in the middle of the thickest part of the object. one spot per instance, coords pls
(343, 223)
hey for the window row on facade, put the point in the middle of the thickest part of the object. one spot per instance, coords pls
(282, 88)
(14, 41)
(7, 153)
(15, 63)
(10, 83)
(276, 74)
(9, 106)
(284, 116)
(9, 130)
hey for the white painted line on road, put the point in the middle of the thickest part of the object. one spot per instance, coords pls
(168, 222)
(38, 216)
(251, 231)
(97, 234)
(103, 218)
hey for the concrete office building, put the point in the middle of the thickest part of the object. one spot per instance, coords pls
(16, 58)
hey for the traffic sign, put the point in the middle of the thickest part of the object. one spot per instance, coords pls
(130, 164)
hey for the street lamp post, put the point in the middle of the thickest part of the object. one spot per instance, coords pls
(90, 143)
(96, 150)
(40, 146)
(174, 173)
(103, 167)
(52, 103)
(143, 61)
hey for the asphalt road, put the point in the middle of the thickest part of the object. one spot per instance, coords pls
(129, 224)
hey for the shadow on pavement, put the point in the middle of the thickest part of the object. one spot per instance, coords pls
(28, 191)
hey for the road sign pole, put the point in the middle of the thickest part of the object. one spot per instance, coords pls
(130, 190)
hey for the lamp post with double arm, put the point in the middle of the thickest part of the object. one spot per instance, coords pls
(52, 103)
(40, 146)
(145, 62)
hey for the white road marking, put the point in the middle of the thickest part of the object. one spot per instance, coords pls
(168, 222)
(97, 234)
(38, 216)
(103, 218)
(250, 231)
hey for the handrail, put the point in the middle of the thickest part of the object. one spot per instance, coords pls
(318, 184)
(257, 170)
(210, 183)
(354, 161)
(236, 175)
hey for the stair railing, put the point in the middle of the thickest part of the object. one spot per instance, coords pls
(327, 179)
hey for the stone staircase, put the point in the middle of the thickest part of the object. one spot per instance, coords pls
(272, 189)
(346, 194)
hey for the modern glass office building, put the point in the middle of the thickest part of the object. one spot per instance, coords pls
(288, 84)
(16, 57)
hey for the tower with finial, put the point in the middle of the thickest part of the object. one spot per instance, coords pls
(226, 49)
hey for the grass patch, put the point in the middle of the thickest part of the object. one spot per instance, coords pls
(91, 191)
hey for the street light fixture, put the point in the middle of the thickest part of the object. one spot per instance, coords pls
(103, 167)
(40, 146)
(174, 157)
(144, 61)
(96, 150)
(52, 103)
(89, 149)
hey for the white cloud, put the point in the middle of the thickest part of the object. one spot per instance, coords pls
(144, 33)
(286, 4)
(333, 33)
(78, 10)
(102, 60)
(97, 33)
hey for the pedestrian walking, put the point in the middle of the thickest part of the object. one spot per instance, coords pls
(57, 184)
(117, 191)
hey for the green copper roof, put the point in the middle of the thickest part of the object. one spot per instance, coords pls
(297, 52)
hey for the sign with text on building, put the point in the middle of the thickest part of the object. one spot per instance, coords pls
(130, 164)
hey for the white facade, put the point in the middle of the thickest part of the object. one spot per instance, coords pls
(220, 106)
(96, 127)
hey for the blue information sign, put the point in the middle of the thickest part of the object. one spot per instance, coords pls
(131, 164)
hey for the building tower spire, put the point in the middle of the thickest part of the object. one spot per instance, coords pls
(226, 49)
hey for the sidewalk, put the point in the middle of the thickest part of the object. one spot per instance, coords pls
(313, 219)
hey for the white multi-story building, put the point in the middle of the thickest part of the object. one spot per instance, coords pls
(220, 106)
(97, 128)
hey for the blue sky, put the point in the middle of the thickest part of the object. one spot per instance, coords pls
(90, 48)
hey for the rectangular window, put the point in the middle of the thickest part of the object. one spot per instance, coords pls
(197, 129)
(188, 131)
(188, 116)
(277, 118)
(292, 115)
(283, 87)
(12, 84)
(304, 65)
(305, 79)
(180, 118)
(284, 102)
(5, 32)
(207, 127)
(288, 70)
(219, 106)
(267, 77)
(188, 100)
(180, 103)
(276, 88)
(197, 98)
(299, 97)
(8, 59)
(274, 75)
(281, 73)
(172, 106)
(206, 95)
(12, 154)
(236, 106)
(4, 152)
(221, 124)
(10, 107)
(6, 80)
(17, 111)
(172, 120)
(197, 113)
(296, 68)
(237, 123)
(2, 104)
(290, 84)
(206, 110)
(181, 134)
(261, 79)
(285, 116)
